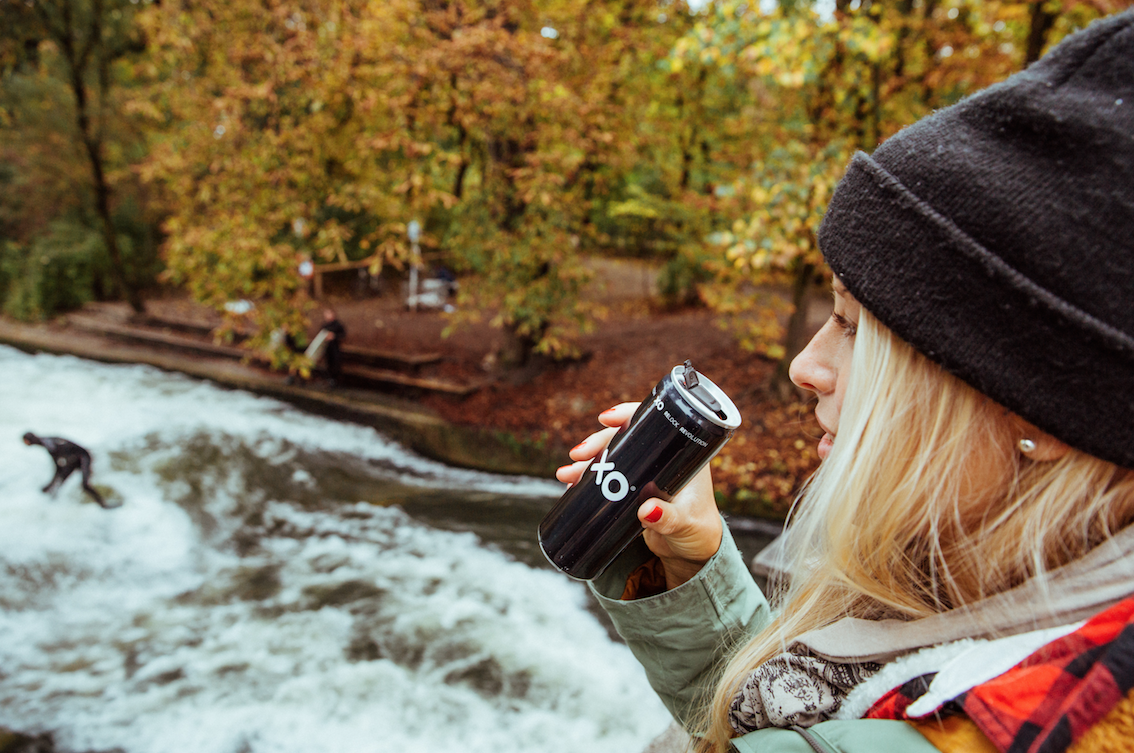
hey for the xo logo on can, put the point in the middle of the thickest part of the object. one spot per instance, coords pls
(607, 478)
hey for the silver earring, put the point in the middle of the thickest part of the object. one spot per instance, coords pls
(1027, 445)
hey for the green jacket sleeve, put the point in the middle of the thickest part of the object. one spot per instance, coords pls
(680, 635)
(841, 736)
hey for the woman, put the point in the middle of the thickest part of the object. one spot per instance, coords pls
(962, 564)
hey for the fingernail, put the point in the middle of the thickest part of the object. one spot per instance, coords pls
(557, 470)
(608, 410)
(655, 515)
(578, 445)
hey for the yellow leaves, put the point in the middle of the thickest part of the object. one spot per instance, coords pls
(144, 109)
(414, 182)
(791, 79)
(633, 208)
(867, 38)
(765, 66)
(820, 192)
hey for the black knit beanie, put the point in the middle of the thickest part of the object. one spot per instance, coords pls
(996, 236)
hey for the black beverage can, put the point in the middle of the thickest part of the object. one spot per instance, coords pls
(671, 436)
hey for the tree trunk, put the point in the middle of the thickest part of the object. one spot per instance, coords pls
(77, 62)
(1041, 23)
(102, 203)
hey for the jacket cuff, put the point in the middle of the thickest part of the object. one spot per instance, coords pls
(679, 635)
(723, 584)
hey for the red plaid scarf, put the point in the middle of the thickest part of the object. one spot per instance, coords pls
(1046, 702)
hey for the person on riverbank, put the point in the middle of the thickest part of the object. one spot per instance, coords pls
(68, 457)
(960, 571)
(333, 351)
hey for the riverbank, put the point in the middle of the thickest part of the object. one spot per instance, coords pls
(409, 422)
(452, 405)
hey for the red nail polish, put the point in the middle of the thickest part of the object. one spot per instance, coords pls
(578, 445)
(608, 410)
(655, 515)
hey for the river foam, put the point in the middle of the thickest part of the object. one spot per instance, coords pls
(266, 586)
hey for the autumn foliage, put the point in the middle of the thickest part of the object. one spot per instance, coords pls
(523, 137)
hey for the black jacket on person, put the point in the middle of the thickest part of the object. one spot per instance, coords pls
(68, 456)
(334, 353)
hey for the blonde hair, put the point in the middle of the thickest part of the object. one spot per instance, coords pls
(922, 506)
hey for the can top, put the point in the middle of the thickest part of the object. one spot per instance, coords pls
(706, 397)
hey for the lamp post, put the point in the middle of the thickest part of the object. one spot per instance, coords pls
(413, 230)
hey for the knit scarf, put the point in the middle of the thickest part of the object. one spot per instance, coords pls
(794, 689)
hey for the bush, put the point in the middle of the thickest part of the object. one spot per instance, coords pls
(680, 278)
(54, 272)
(67, 265)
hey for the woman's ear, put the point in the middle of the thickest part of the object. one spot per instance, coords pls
(1035, 444)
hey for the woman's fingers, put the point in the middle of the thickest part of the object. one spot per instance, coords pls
(586, 451)
(571, 473)
(618, 415)
(686, 531)
(592, 445)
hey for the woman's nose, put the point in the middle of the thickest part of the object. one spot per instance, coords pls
(811, 369)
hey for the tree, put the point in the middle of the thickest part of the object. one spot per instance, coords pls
(278, 133)
(322, 127)
(86, 39)
(540, 107)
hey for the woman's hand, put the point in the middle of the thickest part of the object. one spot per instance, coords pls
(684, 532)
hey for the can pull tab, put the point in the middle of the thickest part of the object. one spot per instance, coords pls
(693, 384)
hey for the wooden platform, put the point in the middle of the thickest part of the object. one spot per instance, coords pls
(176, 325)
(157, 337)
(351, 353)
(397, 378)
(375, 357)
(359, 364)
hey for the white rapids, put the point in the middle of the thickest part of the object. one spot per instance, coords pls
(264, 588)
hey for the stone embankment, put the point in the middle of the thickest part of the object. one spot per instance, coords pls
(105, 335)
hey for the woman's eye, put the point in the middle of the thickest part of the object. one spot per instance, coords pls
(848, 327)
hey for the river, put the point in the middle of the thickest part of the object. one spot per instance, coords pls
(275, 581)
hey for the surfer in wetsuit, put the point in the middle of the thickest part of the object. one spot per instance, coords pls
(67, 456)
